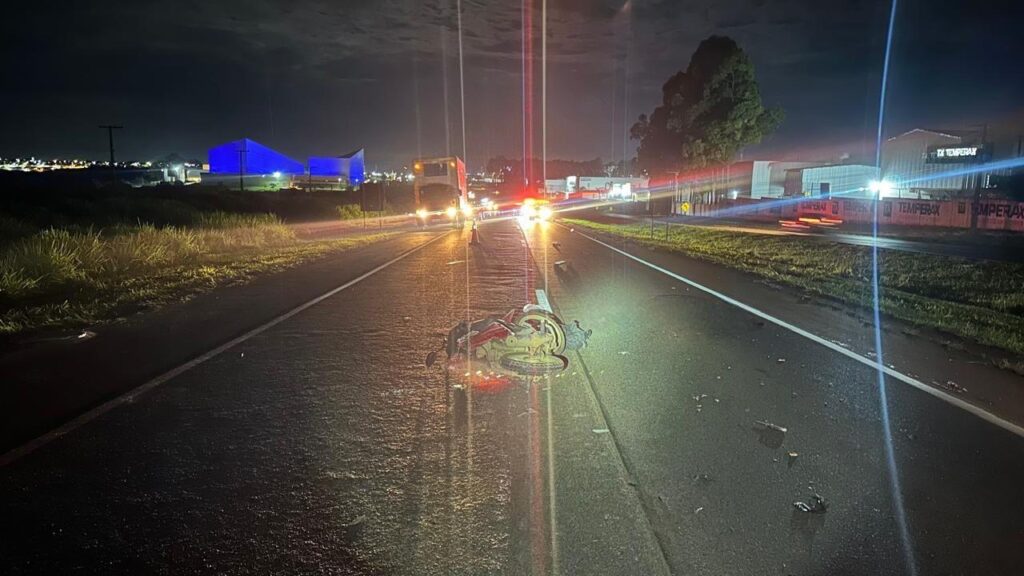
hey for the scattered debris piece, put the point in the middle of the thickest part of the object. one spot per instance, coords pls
(781, 360)
(816, 506)
(453, 262)
(770, 426)
(406, 318)
(697, 511)
(242, 355)
(85, 335)
(356, 522)
(704, 478)
(557, 246)
(770, 435)
(792, 458)
(600, 430)
(951, 386)
(623, 352)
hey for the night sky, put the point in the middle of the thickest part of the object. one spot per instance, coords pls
(325, 77)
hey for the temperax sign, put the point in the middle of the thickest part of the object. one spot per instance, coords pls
(958, 154)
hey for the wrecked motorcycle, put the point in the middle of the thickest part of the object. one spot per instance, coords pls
(529, 342)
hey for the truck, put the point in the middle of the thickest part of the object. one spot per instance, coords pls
(440, 192)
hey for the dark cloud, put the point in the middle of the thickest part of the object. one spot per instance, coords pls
(322, 76)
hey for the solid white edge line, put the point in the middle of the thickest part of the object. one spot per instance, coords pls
(16, 453)
(542, 300)
(966, 406)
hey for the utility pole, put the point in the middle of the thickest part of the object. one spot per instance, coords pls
(976, 205)
(241, 168)
(110, 141)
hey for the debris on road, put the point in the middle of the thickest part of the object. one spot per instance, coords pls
(600, 430)
(781, 360)
(816, 506)
(359, 520)
(697, 511)
(453, 262)
(770, 435)
(770, 426)
(704, 478)
(951, 386)
(623, 352)
(557, 246)
(792, 458)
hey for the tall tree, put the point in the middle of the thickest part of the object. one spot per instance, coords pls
(707, 113)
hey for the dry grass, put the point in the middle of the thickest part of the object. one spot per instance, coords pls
(58, 278)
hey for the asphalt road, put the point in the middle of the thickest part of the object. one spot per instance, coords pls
(323, 445)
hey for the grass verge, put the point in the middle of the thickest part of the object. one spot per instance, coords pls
(979, 301)
(63, 278)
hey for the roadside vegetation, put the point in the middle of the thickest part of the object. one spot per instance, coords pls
(355, 212)
(979, 301)
(78, 275)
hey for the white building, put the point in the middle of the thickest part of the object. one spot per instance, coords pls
(923, 163)
(605, 185)
(841, 180)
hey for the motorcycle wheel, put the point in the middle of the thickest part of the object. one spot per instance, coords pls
(548, 323)
(523, 363)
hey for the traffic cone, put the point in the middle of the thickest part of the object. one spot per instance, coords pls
(474, 238)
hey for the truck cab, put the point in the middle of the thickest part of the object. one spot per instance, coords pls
(440, 191)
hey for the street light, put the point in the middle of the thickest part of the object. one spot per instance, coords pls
(880, 187)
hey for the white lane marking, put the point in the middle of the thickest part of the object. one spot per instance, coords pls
(966, 406)
(542, 300)
(130, 396)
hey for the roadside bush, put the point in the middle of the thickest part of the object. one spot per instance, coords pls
(350, 212)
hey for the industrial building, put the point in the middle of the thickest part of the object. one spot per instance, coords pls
(263, 167)
(250, 158)
(838, 180)
(622, 187)
(920, 164)
(348, 169)
(923, 163)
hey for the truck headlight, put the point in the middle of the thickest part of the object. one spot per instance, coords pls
(451, 212)
(544, 213)
(422, 214)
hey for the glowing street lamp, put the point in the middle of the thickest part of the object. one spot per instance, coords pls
(880, 187)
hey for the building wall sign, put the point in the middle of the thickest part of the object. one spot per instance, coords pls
(958, 154)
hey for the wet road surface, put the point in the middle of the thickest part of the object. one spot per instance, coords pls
(322, 445)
